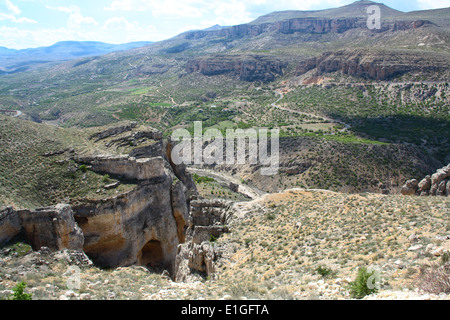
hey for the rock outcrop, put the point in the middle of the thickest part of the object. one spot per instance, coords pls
(307, 25)
(370, 65)
(53, 227)
(208, 219)
(137, 227)
(437, 184)
(247, 68)
(142, 226)
(126, 167)
(10, 224)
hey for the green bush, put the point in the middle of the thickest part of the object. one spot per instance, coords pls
(200, 179)
(324, 271)
(83, 168)
(18, 293)
(361, 287)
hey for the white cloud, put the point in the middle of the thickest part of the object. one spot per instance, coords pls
(13, 8)
(76, 19)
(167, 8)
(69, 9)
(12, 14)
(119, 23)
(435, 4)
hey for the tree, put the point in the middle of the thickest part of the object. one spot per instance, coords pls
(18, 293)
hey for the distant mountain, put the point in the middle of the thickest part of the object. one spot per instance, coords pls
(215, 27)
(12, 60)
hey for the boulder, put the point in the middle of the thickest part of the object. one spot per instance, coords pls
(410, 187)
(424, 184)
(441, 188)
(438, 177)
(435, 185)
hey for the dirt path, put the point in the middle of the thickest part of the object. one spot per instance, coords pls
(275, 105)
(246, 190)
(165, 95)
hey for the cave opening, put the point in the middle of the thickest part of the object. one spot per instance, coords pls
(152, 256)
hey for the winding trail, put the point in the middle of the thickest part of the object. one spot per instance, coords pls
(275, 105)
(246, 190)
(18, 113)
(165, 95)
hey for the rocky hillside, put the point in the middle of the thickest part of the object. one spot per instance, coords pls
(339, 20)
(375, 65)
(337, 165)
(141, 224)
(313, 245)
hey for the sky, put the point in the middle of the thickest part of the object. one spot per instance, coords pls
(35, 23)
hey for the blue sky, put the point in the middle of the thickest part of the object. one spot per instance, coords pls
(34, 23)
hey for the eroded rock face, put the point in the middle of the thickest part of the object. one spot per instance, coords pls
(145, 225)
(127, 167)
(247, 68)
(308, 25)
(128, 229)
(369, 65)
(53, 227)
(198, 255)
(10, 224)
(142, 226)
(437, 184)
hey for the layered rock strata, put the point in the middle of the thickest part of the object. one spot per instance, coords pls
(247, 68)
(370, 65)
(307, 25)
(198, 256)
(142, 226)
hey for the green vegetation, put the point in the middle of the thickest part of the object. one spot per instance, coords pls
(363, 285)
(29, 179)
(20, 248)
(200, 179)
(18, 292)
(324, 271)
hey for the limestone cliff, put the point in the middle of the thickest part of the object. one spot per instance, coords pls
(141, 226)
(309, 25)
(198, 256)
(247, 68)
(371, 65)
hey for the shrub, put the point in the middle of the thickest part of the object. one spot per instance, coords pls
(324, 271)
(363, 285)
(18, 293)
(105, 178)
(435, 279)
(200, 179)
(83, 168)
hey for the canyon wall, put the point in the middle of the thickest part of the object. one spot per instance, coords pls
(302, 25)
(247, 68)
(142, 226)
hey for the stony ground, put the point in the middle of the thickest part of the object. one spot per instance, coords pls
(276, 248)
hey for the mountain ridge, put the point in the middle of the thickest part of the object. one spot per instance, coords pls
(13, 60)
